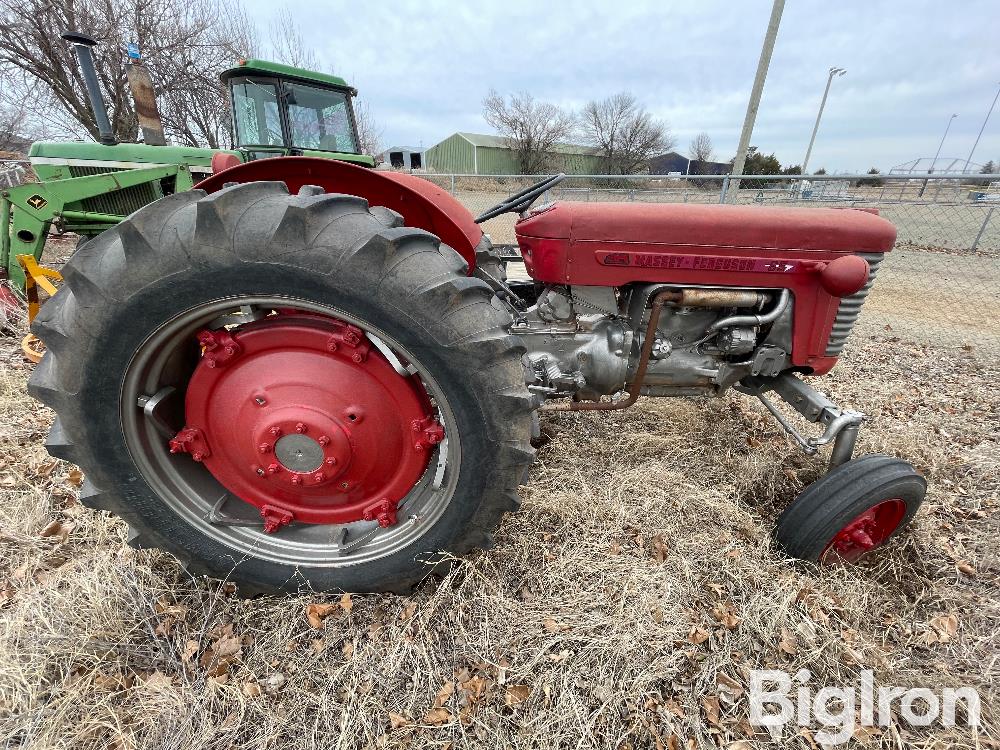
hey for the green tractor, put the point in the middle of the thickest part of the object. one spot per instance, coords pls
(86, 188)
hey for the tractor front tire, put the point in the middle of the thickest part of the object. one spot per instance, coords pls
(854, 509)
(128, 328)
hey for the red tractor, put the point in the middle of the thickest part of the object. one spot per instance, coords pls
(309, 373)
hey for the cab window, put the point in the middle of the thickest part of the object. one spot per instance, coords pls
(319, 119)
(258, 120)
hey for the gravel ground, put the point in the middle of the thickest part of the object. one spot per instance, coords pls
(623, 607)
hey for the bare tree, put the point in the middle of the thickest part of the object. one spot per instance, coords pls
(530, 128)
(12, 126)
(369, 131)
(185, 44)
(700, 150)
(287, 44)
(626, 134)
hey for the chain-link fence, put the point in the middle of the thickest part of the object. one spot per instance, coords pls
(940, 284)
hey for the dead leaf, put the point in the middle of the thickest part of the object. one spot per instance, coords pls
(437, 716)
(348, 649)
(788, 643)
(252, 689)
(516, 695)
(190, 649)
(804, 732)
(724, 613)
(552, 626)
(446, 691)
(227, 646)
(697, 634)
(75, 477)
(967, 568)
(56, 529)
(316, 613)
(408, 611)
(674, 707)
(660, 549)
(397, 721)
(158, 681)
(215, 659)
(728, 684)
(946, 626)
(274, 683)
(347, 603)
(710, 703)
(475, 688)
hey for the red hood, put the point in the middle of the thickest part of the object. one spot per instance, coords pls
(759, 227)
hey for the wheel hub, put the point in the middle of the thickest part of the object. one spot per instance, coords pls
(867, 530)
(303, 417)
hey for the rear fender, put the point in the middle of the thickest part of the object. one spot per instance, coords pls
(421, 203)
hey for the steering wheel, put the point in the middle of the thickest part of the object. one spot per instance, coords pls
(520, 201)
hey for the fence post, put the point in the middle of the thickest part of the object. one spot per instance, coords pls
(453, 184)
(725, 189)
(982, 229)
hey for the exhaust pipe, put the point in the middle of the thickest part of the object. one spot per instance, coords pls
(82, 43)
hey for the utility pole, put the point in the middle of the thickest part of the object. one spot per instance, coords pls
(819, 115)
(966, 168)
(758, 87)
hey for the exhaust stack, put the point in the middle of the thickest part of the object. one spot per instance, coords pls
(82, 43)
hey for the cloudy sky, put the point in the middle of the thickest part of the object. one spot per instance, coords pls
(424, 66)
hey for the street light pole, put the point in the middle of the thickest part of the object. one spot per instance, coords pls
(936, 155)
(941, 145)
(758, 87)
(819, 115)
(966, 167)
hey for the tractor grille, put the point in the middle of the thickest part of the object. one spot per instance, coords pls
(850, 308)
(121, 202)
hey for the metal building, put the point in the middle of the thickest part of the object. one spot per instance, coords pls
(403, 157)
(472, 153)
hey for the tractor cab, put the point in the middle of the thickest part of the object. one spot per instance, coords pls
(279, 110)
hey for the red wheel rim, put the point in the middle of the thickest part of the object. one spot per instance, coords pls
(866, 531)
(302, 416)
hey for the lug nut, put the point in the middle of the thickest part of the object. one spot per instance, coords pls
(318, 477)
(263, 447)
(323, 440)
(331, 461)
(300, 428)
(332, 346)
(273, 469)
(296, 480)
(275, 431)
(357, 357)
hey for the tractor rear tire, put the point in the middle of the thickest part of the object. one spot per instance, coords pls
(330, 257)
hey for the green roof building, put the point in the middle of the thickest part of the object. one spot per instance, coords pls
(472, 153)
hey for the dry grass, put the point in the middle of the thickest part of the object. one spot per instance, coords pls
(639, 574)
